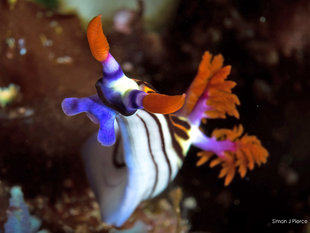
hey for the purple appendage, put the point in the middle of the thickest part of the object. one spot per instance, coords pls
(199, 110)
(111, 69)
(97, 112)
(133, 100)
(211, 144)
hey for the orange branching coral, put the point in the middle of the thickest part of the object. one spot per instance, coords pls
(248, 152)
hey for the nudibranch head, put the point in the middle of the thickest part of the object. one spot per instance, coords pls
(115, 89)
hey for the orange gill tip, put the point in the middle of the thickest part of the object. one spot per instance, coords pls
(98, 43)
(204, 157)
(164, 104)
(249, 151)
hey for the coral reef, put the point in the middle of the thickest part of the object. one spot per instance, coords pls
(19, 219)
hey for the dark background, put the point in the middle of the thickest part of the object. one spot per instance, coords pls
(266, 42)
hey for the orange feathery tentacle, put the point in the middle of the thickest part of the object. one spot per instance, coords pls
(211, 87)
(249, 151)
(204, 157)
(164, 104)
(98, 43)
(206, 70)
(220, 99)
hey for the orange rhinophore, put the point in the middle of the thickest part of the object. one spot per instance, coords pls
(164, 104)
(98, 43)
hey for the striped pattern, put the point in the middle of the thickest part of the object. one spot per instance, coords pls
(145, 158)
(154, 148)
(181, 122)
(152, 154)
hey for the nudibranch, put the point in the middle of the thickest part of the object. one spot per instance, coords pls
(144, 136)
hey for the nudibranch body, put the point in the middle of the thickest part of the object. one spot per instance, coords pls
(144, 136)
